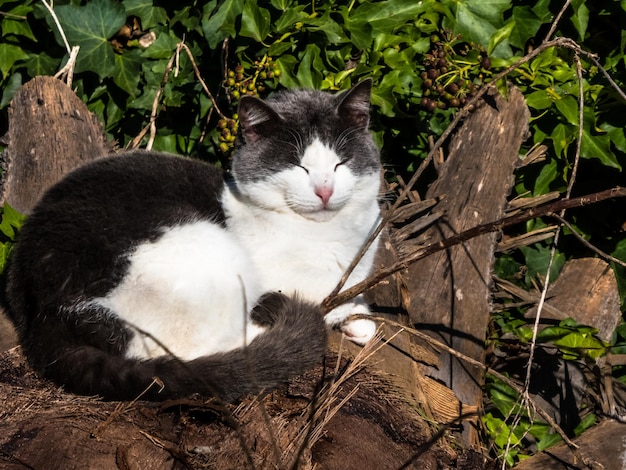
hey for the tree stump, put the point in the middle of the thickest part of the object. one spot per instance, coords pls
(51, 132)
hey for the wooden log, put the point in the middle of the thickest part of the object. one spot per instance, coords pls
(51, 132)
(450, 291)
(599, 448)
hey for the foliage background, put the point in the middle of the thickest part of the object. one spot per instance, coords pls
(245, 46)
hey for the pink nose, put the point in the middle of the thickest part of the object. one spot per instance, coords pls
(324, 193)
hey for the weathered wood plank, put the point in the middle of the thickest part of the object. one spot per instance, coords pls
(450, 291)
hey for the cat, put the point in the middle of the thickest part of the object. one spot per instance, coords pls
(150, 269)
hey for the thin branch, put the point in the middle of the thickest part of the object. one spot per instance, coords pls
(174, 59)
(580, 238)
(55, 18)
(556, 21)
(333, 301)
(72, 52)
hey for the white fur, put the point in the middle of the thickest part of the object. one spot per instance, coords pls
(298, 243)
(193, 287)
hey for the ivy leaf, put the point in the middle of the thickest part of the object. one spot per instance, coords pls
(371, 19)
(546, 176)
(596, 145)
(162, 48)
(150, 14)
(527, 24)
(90, 27)
(15, 23)
(580, 18)
(289, 18)
(539, 99)
(478, 20)
(281, 4)
(42, 64)
(9, 88)
(9, 54)
(333, 31)
(12, 221)
(309, 71)
(537, 259)
(220, 23)
(255, 21)
(126, 73)
(500, 36)
(568, 107)
(561, 138)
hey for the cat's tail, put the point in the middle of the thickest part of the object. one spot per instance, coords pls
(294, 341)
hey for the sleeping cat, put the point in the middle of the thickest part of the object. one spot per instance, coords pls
(146, 265)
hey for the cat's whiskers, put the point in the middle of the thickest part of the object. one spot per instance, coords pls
(345, 138)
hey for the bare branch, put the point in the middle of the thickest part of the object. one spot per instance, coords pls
(335, 300)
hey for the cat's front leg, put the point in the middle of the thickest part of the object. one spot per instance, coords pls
(360, 330)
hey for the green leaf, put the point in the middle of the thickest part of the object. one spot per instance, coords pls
(220, 23)
(500, 36)
(90, 27)
(546, 177)
(289, 19)
(539, 99)
(370, 19)
(12, 221)
(150, 14)
(527, 24)
(163, 47)
(126, 73)
(281, 4)
(561, 137)
(478, 21)
(596, 145)
(13, 84)
(255, 21)
(9, 54)
(568, 107)
(42, 64)
(537, 259)
(309, 71)
(548, 440)
(616, 136)
(333, 31)
(15, 23)
(580, 18)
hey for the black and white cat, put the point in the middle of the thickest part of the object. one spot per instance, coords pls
(147, 265)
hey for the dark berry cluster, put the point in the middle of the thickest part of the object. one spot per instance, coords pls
(228, 131)
(453, 72)
(243, 81)
(239, 82)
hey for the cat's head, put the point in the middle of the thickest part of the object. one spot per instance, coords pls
(307, 152)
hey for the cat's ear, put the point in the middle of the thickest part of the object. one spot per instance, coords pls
(354, 104)
(256, 119)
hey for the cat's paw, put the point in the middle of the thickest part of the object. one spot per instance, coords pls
(359, 331)
(268, 308)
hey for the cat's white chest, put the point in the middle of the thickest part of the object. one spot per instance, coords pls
(294, 254)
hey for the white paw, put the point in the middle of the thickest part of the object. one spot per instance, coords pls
(359, 331)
